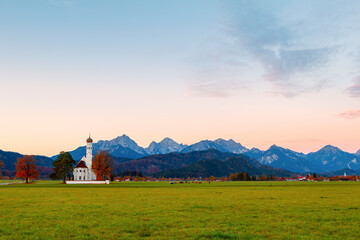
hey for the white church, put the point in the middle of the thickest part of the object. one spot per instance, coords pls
(83, 170)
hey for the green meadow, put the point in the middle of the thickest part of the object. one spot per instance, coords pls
(159, 210)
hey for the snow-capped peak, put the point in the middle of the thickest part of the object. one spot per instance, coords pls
(167, 145)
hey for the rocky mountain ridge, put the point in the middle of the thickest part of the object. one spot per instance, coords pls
(327, 159)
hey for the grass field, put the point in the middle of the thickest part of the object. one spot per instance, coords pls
(230, 210)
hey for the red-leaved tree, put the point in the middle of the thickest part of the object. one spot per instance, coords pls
(26, 168)
(102, 165)
(2, 164)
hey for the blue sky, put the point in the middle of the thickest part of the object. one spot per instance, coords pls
(127, 34)
(260, 72)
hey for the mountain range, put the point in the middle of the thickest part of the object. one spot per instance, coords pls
(327, 159)
(149, 160)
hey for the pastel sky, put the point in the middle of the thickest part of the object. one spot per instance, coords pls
(260, 72)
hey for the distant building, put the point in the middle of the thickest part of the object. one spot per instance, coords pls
(83, 169)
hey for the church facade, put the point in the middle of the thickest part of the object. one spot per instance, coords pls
(83, 169)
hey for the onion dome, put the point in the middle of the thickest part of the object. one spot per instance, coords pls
(89, 140)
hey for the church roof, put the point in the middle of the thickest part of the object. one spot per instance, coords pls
(81, 164)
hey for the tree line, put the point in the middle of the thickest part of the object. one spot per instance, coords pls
(244, 176)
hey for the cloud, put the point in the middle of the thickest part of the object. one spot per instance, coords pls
(354, 90)
(268, 37)
(295, 46)
(350, 114)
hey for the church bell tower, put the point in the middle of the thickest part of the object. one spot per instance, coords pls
(89, 156)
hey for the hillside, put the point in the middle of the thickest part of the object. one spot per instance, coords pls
(10, 159)
(198, 164)
(155, 163)
(218, 168)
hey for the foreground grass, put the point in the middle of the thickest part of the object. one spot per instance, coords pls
(254, 210)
